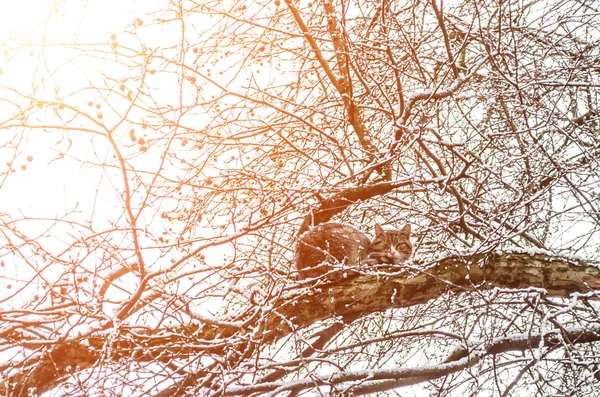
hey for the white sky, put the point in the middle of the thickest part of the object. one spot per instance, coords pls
(68, 20)
(41, 186)
(28, 30)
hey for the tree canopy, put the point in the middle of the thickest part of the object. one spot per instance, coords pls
(156, 179)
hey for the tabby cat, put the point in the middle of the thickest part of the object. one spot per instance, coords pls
(336, 243)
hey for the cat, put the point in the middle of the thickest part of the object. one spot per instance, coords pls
(334, 243)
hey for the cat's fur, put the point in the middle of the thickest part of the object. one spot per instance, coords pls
(335, 243)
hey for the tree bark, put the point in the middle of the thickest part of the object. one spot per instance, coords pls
(304, 305)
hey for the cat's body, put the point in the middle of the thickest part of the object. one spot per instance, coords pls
(336, 243)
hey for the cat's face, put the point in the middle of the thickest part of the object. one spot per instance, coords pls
(390, 246)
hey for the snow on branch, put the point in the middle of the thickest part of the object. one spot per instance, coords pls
(351, 298)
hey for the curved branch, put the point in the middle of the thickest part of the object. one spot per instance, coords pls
(388, 379)
(342, 83)
(558, 277)
(342, 200)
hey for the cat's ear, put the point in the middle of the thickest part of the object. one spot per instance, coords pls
(378, 230)
(406, 229)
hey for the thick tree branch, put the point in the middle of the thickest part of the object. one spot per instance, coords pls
(559, 277)
(342, 200)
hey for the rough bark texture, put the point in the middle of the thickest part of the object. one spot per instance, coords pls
(300, 308)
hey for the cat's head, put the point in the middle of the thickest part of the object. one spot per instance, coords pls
(390, 246)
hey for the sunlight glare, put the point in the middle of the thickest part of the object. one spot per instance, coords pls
(37, 58)
(36, 21)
